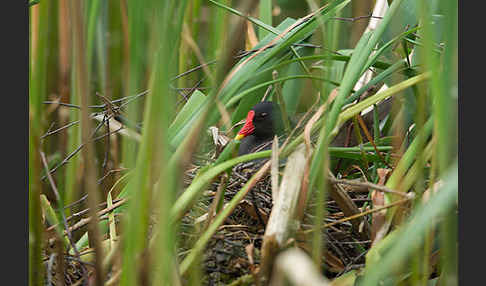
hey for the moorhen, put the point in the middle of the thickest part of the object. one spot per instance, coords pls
(263, 122)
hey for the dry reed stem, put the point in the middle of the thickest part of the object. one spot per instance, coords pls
(284, 208)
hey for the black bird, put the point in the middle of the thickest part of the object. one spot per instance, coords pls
(263, 122)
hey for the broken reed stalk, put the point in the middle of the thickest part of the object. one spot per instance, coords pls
(284, 208)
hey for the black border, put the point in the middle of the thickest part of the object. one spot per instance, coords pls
(14, 116)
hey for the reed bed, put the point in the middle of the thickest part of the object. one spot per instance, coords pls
(133, 172)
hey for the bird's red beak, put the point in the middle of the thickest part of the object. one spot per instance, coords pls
(248, 128)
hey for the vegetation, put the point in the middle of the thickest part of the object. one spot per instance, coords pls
(133, 175)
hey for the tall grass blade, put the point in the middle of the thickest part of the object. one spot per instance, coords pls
(265, 15)
(137, 56)
(38, 49)
(91, 187)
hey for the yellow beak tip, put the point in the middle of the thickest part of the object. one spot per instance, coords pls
(239, 136)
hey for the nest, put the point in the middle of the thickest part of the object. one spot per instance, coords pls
(234, 250)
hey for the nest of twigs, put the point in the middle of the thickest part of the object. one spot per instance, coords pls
(234, 250)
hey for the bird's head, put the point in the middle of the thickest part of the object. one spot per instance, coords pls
(263, 120)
